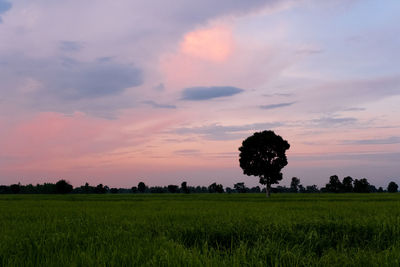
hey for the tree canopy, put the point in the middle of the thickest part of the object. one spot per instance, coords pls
(294, 185)
(63, 187)
(263, 155)
(392, 187)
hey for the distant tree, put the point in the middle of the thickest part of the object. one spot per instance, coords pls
(361, 186)
(28, 189)
(256, 189)
(46, 188)
(114, 190)
(392, 187)
(228, 190)
(216, 188)
(380, 189)
(280, 189)
(334, 185)
(87, 188)
(4, 189)
(173, 188)
(134, 189)
(141, 187)
(184, 188)
(372, 189)
(219, 188)
(15, 188)
(63, 187)
(201, 189)
(211, 188)
(301, 188)
(263, 155)
(240, 187)
(294, 185)
(347, 184)
(100, 189)
(312, 189)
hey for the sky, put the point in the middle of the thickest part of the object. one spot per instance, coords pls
(117, 92)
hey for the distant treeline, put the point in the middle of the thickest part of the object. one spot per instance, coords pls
(347, 185)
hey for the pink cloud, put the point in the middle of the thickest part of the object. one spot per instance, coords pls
(211, 44)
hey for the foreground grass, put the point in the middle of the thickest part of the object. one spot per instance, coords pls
(198, 230)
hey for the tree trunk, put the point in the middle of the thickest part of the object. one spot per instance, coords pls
(268, 190)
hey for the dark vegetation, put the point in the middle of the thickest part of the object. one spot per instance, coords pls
(347, 185)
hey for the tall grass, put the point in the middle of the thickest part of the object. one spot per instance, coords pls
(200, 230)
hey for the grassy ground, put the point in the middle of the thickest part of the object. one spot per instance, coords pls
(198, 230)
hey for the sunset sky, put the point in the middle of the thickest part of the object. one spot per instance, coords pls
(118, 92)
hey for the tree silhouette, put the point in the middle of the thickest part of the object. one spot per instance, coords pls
(334, 185)
(312, 189)
(392, 187)
(216, 188)
(173, 188)
(63, 187)
(100, 189)
(184, 188)
(240, 187)
(294, 184)
(114, 190)
(141, 187)
(15, 188)
(361, 186)
(263, 155)
(347, 184)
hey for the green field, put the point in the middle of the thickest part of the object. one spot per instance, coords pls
(200, 229)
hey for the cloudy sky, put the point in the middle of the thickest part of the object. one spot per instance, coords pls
(118, 92)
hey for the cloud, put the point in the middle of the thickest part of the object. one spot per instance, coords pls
(309, 51)
(4, 7)
(70, 46)
(211, 44)
(278, 94)
(354, 109)
(160, 87)
(187, 152)
(67, 85)
(229, 132)
(69, 79)
(378, 141)
(92, 79)
(274, 106)
(333, 121)
(106, 45)
(351, 93)
(157, 105)
(369, 157)
(206, 93)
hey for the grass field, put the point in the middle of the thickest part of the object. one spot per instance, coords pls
(200, 229)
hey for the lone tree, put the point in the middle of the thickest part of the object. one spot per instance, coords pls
(263, 155)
